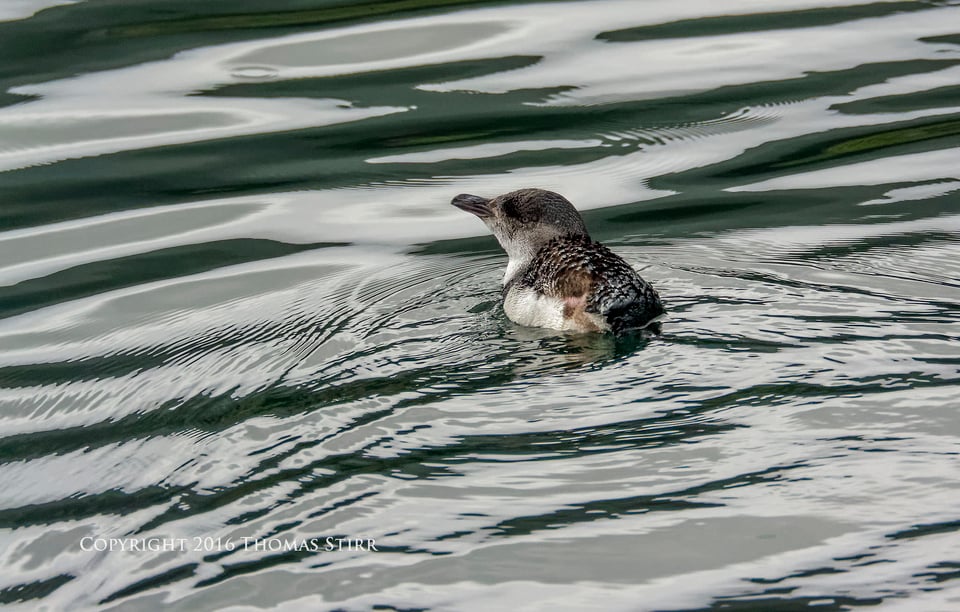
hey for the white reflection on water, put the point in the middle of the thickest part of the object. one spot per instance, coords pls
(12, 10)
(370, 48)
(604, 72)
(57, 129)
(926, 166)
(799, 402)
(74, 116)
(38, 251)
(418, 212)
(918, 192)
(480, 151)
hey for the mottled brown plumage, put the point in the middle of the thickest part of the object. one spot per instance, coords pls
(557, 276)
(576, 267)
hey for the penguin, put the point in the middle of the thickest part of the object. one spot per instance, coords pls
(557, 277)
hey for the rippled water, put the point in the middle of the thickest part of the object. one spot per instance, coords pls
(235, 303)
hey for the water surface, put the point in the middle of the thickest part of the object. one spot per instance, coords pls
(235, 303)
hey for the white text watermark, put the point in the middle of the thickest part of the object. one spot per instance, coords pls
(211, 544)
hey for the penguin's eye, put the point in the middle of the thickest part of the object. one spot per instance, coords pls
(515, 209)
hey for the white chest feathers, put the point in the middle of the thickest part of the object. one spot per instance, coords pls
(525, 306)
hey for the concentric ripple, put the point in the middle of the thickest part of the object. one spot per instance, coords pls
(237, 311)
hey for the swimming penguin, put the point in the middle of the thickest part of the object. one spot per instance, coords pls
(557, 277)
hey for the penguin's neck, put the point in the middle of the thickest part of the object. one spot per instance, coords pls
(515, 267)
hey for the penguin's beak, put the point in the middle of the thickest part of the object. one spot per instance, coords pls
(473, 204)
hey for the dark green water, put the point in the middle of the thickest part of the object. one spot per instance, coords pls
(238, 314)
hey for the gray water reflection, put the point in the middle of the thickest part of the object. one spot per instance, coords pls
(234, 303)
(376, 46)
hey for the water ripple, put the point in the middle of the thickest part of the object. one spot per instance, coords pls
(235, 305)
